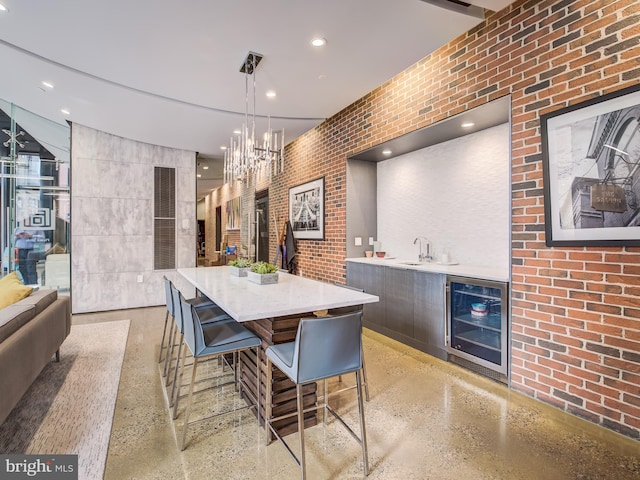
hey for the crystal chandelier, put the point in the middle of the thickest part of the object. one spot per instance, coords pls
(245, 158)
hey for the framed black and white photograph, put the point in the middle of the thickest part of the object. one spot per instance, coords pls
(590, 159)
(306, 210)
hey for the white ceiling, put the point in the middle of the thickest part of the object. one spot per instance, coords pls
(167, 73)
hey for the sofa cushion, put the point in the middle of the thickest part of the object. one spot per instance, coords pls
(41, 299)
(14, 317)
(12, 290)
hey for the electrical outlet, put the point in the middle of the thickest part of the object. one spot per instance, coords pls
(358, 241)
(370, 240)
(140, 278)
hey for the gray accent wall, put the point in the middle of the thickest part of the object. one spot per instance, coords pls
(361, 205)
(112, 220)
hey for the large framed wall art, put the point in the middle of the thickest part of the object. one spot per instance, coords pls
(590, 159)
(306, 210)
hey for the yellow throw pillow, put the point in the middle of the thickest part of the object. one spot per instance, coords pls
(12, 291)
(9, 279)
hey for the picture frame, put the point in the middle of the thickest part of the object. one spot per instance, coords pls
(306, 210)
(591, 171)
(232, 208)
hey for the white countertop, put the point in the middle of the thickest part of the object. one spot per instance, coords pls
(463, 270)
(244, 300)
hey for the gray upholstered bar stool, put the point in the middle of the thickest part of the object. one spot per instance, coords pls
(207, 314)
(215, 340)
(198, 302)
(324, 347)
(342, 311)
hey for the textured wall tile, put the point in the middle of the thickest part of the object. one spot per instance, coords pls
(456, 194)
(112, 216)
(108, 254)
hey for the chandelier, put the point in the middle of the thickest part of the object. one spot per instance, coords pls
(245, 158)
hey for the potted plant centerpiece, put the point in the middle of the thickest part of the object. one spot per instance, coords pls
(263, 273)
(239, 267)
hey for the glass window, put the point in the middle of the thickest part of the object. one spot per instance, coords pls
(35, 198)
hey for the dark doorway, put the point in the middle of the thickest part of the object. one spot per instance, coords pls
(218, 228)
(262, 226)
(201, 238)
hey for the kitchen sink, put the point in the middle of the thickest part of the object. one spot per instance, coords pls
(415, 264)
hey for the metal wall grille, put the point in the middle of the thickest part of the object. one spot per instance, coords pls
(164, 221)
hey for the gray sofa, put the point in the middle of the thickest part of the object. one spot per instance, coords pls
(31, 332)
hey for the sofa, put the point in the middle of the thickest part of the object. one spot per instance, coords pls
(31, 332)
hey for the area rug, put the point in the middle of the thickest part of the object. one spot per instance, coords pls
(69, 408)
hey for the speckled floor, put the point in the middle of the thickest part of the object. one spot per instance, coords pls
(427, 419)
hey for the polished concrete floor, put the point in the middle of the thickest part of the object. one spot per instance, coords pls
(426, 419)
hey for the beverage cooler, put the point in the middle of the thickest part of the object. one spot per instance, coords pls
(477, 326)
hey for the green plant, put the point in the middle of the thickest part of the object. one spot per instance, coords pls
(263, 268)
(240, 263)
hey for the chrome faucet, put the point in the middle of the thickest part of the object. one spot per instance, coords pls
(424, 257)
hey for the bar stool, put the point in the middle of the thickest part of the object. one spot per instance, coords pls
(208, 314)
(342, 311)
(199, 302)
(324, 347)
(215, 340)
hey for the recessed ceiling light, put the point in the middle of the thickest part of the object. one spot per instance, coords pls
(386, 152)
(206, 167)
(271, 94)
(319, 42)
(322, 76)
(237, 132)
(199, 176)
(3, 8)
(65, 111)
(47, 84)
(467, 125)
(223, 147)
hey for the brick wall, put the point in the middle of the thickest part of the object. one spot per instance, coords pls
(575, 311)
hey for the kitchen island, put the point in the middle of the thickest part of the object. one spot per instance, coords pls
(273, 313)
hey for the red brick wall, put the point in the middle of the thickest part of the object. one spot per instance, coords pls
(575, 311)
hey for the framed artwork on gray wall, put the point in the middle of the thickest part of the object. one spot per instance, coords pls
(591, 169)
(306, 210)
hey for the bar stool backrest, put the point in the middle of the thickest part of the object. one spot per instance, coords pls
(178, 312)
(168, 285)
(193, 335)
(328, 346)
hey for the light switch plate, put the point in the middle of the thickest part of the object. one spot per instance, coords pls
(370, 240)
(358, 241)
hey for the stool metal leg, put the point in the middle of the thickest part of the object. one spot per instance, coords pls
(363, 432)
(177, 382)
(170, 348)
(364, 380)
(301, 428)
(186, 412)
(164, 334)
